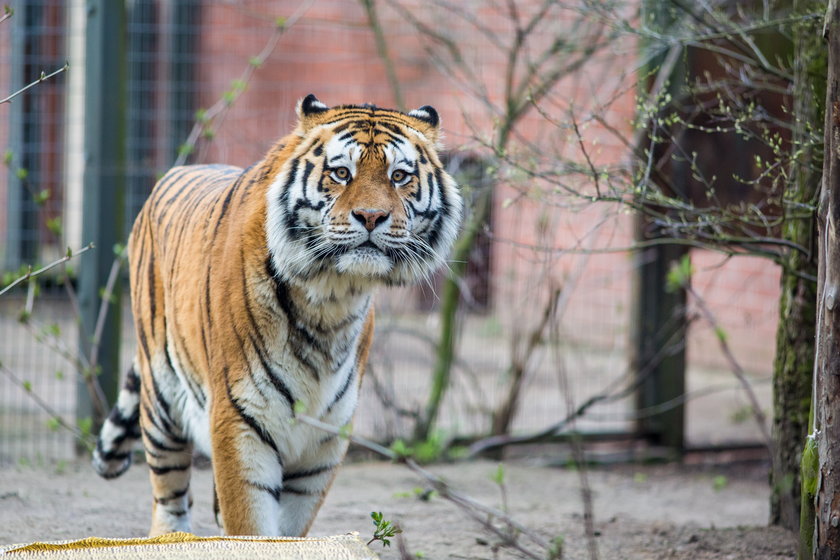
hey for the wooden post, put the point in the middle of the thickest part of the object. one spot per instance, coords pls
(827, 367)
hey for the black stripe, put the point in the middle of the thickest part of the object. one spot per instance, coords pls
(164, 404)
(284, 194)
(173, 496)
(446, 207)
(299, 492)
(240, 344)
(274, 376)
(422, 151)
(111, 454)
(300, 336)
(132, 381)
(150, 266)
(307, 170)
(195, 388)
(260, 430)
(183, 187)
(275, 492)
(117, 418)
(307, 473)
(259, 347)
(284, 298)
(343, 389)
(163, 425)
(161, 445)
(168, 468)
(166, 182)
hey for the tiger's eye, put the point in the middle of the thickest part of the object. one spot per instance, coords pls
(398, 176)
(341, 173)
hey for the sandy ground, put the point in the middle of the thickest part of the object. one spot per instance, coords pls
(641, 512)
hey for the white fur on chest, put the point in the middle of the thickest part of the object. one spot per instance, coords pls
(315, 395)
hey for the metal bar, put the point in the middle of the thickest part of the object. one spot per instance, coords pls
(14, 192)
(658, 320)
(104, 186)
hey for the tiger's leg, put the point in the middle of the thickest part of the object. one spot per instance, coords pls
(305, 485)
(247, 472)
(169, 456)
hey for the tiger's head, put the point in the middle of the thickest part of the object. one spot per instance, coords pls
(363, 196)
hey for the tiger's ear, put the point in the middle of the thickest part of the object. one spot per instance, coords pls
(307, 110)
(428, 115)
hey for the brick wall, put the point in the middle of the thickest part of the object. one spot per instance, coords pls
(332, 53)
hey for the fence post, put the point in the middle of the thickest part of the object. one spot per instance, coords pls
(658, 355)
(15, 190)
(104, 186)
(658, 320)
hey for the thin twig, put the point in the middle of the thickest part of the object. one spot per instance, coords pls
(223, 104)
(580, 460)
(478, 511)
(612, 394)
(33, 273)
(104, 305)
(382, 51)
(734, 365)
(43, 404)
(43, 78)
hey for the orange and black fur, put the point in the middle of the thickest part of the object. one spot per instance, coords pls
(252, 296)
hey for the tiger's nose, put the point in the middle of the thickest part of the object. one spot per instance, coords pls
(370, 218)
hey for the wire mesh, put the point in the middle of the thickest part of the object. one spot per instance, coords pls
(187, 58)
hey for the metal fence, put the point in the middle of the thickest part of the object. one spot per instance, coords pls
(172, 73)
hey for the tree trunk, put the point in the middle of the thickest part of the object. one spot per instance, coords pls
(794, 364)
(827, 367)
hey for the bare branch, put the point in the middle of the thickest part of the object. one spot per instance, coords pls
(43, 405)
(481, 513)
(43, 78)
(7, 13)
(33, 273)
(218, 110)
(382, 50)
(735, 366)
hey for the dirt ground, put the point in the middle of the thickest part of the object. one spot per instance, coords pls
(641, 512)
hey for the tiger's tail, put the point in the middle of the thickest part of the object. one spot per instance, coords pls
(121, 429)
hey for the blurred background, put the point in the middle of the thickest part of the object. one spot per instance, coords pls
(545, 106)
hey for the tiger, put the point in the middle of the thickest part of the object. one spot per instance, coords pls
(252, 295)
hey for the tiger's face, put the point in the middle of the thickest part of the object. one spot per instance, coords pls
(364, 196)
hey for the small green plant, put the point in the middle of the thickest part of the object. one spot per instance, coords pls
(427, 451)
(742, 414)
(384, 529)
(401, 449)
(720, 482)
(498, 475)
(430, 450)
(679, 275)
(422, 494)
(555, 550)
